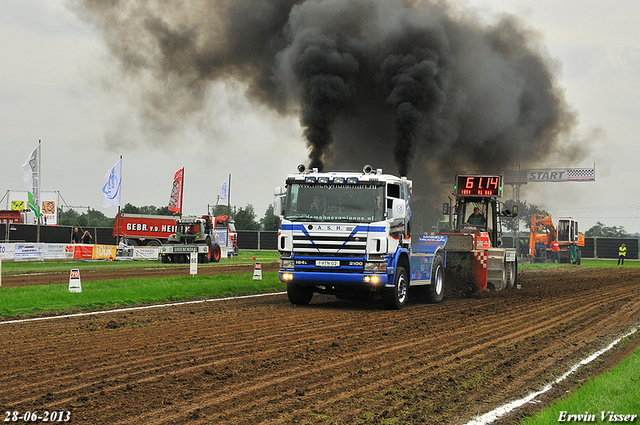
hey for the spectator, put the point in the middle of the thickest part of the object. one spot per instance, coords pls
(622, 253)
(87, 238)
(555, 247)
(76, 237)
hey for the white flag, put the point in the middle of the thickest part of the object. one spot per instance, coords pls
(31, 176)
(224, 193)
(111, 188)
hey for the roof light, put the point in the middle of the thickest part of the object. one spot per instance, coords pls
(309, 180)
(338, 180)
(323, 180)
(352, 180)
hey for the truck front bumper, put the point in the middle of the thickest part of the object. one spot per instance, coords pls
(333, 279)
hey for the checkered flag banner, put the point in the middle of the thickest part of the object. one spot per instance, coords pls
(523, 176)
(581, 174)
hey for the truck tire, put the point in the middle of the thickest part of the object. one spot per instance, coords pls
(216, 253)
(512, 274)
(396, 297)
(435, 291)
(299, 295)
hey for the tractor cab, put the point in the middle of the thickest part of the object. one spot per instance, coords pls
(474, 207)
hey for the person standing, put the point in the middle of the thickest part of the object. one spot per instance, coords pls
(87, 238)
(622, 253)
(555, 247)
(76, 237)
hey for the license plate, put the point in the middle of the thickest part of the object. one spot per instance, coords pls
(327, 263)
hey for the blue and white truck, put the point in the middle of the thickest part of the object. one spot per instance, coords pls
(349, 234)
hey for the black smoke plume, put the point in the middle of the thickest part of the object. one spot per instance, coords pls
(417, 87)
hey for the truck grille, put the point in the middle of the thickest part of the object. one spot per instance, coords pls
(340, 246)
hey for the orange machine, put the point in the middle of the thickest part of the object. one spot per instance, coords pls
(566, 233)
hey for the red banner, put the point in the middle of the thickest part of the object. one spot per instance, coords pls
(175, 201)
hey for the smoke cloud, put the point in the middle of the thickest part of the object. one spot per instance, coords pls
(414, 87)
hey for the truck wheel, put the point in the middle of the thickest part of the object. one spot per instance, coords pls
(435, 292)
(512, 274)
(165, 259)
(215, 253)
(396, 297)
(205, 258)
(299, 295)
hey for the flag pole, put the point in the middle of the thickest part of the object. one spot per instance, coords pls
(229, 202)
(181, 191)
(118, 214)
(38, 202)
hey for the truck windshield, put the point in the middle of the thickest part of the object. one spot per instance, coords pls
(363, 203)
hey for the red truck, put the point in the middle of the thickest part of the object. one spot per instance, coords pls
(11, 216)
(154, 230)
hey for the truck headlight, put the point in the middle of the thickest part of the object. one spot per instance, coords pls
(372, 278)
(288, 264)
(375, 267)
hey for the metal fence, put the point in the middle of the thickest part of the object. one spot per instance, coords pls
(594, 247)
(53, 234)
(256, 240)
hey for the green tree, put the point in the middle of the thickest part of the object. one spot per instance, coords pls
(130, 209)
(246, 218)
(96, 218)
(602, 231)
(270, 221)
(90, 218)
(221, 210)
(523, 220)
(68, 218)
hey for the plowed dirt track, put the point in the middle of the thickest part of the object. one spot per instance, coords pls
(263, 360)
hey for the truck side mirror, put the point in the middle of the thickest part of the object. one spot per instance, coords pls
(445, 209)
(398, 209)
(278, 202)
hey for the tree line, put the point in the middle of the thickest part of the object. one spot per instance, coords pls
(245, 217)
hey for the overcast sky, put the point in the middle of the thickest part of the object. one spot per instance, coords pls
(53, 87)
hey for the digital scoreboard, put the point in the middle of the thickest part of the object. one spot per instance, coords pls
(478, 185)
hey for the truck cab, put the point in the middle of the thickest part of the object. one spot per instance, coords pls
(346, 234)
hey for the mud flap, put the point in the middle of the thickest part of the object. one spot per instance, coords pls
(479, 266)
(466, 272)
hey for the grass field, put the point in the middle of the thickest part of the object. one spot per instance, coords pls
(19, 267)
(55, 299)
(616, 392)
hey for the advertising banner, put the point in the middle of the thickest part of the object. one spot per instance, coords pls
(7, 251)
(29, 252)
(83, 252)
(103, 252)
(56, 252)
(175, 199)
(49, 204)
(145, 253)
